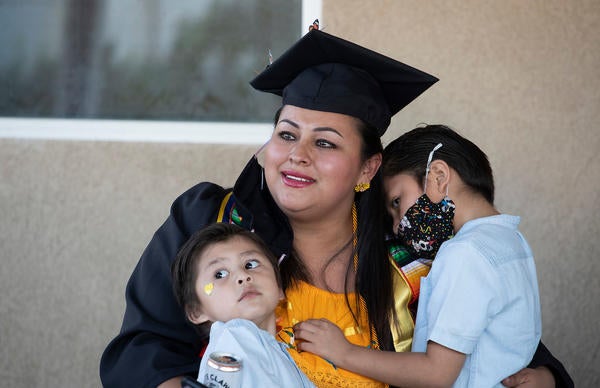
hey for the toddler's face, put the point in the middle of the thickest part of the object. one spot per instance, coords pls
(236, 280)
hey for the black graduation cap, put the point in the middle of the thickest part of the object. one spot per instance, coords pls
(327, 73)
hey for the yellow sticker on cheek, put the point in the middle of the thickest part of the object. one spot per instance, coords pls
(208, 288)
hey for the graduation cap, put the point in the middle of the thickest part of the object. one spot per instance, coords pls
(326, 73)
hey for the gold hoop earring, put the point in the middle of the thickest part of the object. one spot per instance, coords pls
(359, 188)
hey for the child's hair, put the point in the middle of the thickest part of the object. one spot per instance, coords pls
(408, 155)
(184, 269)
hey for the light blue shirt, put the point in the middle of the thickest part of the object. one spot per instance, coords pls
(481, 298)
(265, 362)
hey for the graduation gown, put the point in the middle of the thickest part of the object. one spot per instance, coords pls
(156, 342)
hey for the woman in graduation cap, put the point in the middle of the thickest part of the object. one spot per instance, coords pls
(318, 203)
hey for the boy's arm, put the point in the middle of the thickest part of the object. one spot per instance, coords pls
(438, 367)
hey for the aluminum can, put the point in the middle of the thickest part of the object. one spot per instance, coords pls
(224, 370)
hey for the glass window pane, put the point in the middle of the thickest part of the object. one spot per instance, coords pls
(133, 59)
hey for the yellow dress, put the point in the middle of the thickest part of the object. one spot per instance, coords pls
(306, 302)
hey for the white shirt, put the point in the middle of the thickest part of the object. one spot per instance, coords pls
(265, 361)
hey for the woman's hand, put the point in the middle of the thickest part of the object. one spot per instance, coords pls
(540, 377)
(323, 338)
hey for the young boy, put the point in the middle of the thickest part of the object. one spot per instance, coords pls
(226, 276)
(478, 318)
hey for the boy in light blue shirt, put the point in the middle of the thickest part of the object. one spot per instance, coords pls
(478, 317)
(481, 299)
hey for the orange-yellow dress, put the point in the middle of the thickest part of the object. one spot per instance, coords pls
(305, 302)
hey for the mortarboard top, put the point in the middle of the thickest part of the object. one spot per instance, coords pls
(327, 73)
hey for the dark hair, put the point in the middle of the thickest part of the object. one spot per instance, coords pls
(408, 154)
(373, 275)
(184, 269)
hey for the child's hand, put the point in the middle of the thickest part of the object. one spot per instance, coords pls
(323, 338)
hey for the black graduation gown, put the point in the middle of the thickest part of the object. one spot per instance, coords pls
(156, 342)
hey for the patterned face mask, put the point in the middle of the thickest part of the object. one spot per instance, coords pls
(426, 225)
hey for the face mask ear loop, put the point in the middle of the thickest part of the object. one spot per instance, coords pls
(437, 147)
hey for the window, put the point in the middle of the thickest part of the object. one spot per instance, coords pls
(154, 61)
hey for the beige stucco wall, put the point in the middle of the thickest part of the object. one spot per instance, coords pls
(75, 219)
(520, 78)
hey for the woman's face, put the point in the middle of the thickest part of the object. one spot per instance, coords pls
(313, 161)
(401, 192)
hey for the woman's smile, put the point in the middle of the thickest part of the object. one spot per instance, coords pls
(295, 179)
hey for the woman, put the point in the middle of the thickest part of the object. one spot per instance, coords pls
(313, 206)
